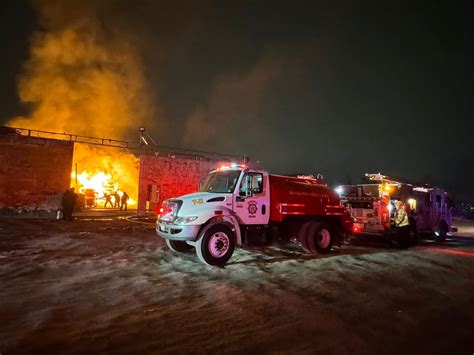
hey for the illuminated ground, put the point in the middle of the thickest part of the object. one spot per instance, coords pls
(108, 285)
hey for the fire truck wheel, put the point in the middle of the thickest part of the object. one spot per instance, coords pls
(441, 231)
(178, 246)
(216, 246)
(303, 236)
(320, 238)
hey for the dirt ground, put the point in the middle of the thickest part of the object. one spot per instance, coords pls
(108, 285)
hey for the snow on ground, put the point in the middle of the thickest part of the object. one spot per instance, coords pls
(112, 286)
(465, 226)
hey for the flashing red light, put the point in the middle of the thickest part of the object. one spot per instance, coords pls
(231, 166)
(163, 210)
(357, 228)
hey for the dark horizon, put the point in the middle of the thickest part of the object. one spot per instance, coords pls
(341, 90)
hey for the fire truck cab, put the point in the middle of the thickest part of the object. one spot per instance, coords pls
(373, 206)
(241, 206)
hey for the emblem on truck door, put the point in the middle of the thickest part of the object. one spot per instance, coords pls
(252, 207)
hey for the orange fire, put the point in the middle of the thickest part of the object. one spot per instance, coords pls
(100, 182)
(105, 170)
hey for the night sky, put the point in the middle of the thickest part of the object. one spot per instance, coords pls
(340, 88)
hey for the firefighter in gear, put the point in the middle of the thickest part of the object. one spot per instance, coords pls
(349, 212)
(68, 202)
(108, 199)
(402, 225)
(124, 201)
(116, 200)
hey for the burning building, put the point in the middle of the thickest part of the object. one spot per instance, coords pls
(86, 77)
(37, 167)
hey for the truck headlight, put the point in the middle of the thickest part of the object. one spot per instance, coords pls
(184, 220)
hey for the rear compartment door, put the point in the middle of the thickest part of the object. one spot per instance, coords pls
(368, 213)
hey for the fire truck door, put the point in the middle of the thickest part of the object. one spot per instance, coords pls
(251, 200)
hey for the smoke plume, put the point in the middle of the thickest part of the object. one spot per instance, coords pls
(86, 78)
(83, 77)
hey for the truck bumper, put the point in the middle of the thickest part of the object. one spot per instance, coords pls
(359, 230)
(177, 232)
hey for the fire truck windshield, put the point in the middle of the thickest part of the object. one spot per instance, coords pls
(221, 181)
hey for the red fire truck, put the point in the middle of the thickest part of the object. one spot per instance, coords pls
(373, 206)
(241, 206)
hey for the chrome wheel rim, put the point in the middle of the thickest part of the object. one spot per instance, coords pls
(324, 238)
(219, 244)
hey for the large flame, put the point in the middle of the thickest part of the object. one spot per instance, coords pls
(105, 170)
(100, 182)
(85, 79)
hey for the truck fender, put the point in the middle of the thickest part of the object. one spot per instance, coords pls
(227, 220)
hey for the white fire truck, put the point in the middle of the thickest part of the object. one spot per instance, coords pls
(240, 206)
(373, 206)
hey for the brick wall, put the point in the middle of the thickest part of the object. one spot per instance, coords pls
(33, 174)
(165, 177)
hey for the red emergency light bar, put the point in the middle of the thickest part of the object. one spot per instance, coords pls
(231, 166)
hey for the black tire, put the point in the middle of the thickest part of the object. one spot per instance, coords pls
(320, 238)
(216, 246)
(441, 231)
(178, 246)
(303, 236)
